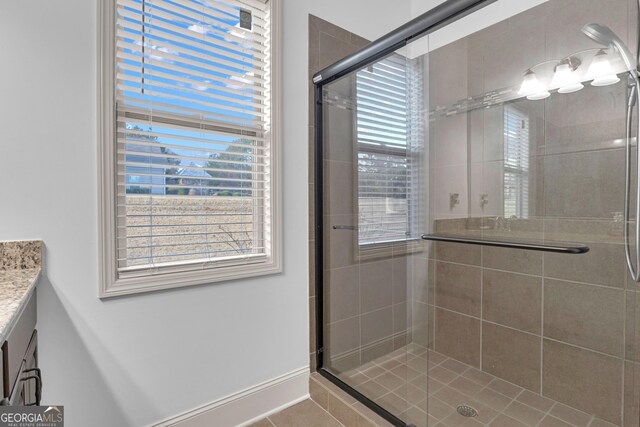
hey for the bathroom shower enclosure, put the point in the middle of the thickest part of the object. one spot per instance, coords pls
(475, 217)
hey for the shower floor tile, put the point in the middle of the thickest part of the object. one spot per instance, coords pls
(398, 383)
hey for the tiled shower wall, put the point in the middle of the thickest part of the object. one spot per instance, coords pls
(565, 326)
(328, 43)
(365, 291)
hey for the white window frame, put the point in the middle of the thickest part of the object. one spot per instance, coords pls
(110, 285)
(520, 171)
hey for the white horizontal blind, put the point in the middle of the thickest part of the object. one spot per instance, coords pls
(193, 141)
(384, 188)
(516, 163)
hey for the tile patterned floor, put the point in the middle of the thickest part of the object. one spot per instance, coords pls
(397, 383)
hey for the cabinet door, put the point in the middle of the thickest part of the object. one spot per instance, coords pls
(30, 363)
(18, 340)
(16, 398)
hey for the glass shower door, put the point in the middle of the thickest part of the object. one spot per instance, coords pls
(527, 145)
(374, 204)
(505, 129)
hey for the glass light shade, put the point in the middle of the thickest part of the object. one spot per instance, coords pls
(565, 79)
(601, 71)
(532, 88)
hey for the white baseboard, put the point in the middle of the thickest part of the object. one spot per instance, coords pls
(250, 405)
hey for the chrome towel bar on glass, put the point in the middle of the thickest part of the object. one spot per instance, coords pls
(545, 247)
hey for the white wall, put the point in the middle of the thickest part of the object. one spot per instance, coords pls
(488, 15)
(133, 361)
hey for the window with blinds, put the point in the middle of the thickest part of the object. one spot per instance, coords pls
(193, 149)
(384, 178)
(516, 163)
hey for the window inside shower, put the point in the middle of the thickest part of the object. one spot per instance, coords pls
(472, 259)
(385, 93)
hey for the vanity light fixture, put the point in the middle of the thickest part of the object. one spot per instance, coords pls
(565, 77)
(532, 88)
(601, 71)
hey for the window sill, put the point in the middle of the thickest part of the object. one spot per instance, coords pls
(131, 283)
(373, 251)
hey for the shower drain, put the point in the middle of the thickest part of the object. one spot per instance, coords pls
(467, 411)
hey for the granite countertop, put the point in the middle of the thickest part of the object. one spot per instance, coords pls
(20, 269)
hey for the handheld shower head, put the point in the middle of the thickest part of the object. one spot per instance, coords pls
(605, 36)
(599, 33)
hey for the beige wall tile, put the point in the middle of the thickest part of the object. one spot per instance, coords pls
(450, 140)
(528, 262)
(342, 293)
(632, 326)
(312, 268)
(377, 325)
(584, 315)
(422, 323)
(444, 181)
(490, 176)
(584, 185)
(567, 17)
(341, 337)
(458, 253)
(376, 285)
(586, 120)
(584, 231)
(333, 48)
(583, 379)
(511, 355)
(604, 264)
(631, 394)
(448, 67)
(402, 318)
(422, 275)
(339, 137)
(431, 327)
(401, 271)
(513, 300)
(493, 134)
(311, 150)
(379, 349)
(339, 185)
(523, 46)
(475, 121)
(458, 288)
(339, 250)
(458, 336)
(312, 325)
